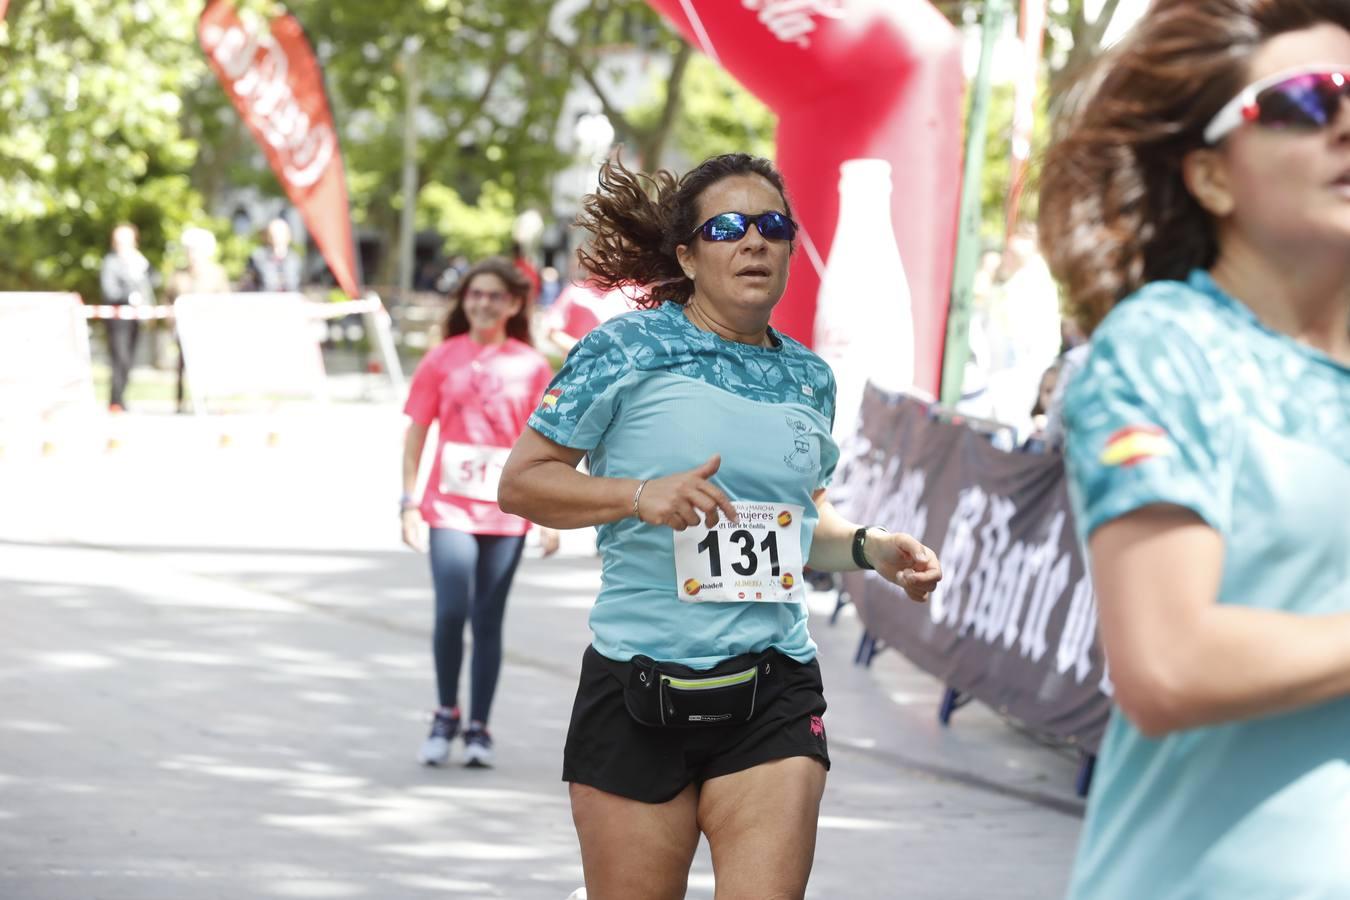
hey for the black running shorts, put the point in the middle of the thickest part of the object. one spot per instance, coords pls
(607, 749)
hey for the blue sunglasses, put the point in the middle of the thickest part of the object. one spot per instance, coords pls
(732, 226)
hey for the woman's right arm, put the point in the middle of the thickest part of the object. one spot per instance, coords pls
(414, 439)
(540, 482)
(1180, 659)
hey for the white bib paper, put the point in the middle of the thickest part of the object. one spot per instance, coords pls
(471, 471)
(756, 560)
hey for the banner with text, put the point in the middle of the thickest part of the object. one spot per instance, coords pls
(274, 80)
(1014, 622)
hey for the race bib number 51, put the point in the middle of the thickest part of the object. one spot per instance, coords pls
(470, 471)
(756, 560)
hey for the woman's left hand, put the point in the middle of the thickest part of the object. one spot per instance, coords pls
(903, 561)
(549, 539)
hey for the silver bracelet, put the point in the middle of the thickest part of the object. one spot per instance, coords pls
(636, 495)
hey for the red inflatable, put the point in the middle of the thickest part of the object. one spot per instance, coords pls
(848, 79)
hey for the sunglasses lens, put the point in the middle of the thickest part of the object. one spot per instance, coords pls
(1306, 101)
(726, 227)
(776, 227)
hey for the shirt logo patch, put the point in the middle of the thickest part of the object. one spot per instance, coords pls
(551, 398)
(1134, 444)
(801, 458)
(808, 391)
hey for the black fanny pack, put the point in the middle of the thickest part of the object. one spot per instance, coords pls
(669, 695)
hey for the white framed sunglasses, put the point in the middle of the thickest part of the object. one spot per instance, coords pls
(1304, 99)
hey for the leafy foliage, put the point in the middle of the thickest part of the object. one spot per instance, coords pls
(716, 115)
(108, 113)
(91, 134)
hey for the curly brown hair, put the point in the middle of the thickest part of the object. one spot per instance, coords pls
(518, 326)
(1115, 212)
(636, 221)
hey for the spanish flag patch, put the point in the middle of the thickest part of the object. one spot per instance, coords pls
(551, 398)
(1134, 444)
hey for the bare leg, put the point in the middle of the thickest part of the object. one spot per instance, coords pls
(761, 827)
(631, 849)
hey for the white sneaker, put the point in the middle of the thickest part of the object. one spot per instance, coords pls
(478, 748)
(436, 748)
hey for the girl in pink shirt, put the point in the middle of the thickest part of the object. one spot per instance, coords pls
(479, 386)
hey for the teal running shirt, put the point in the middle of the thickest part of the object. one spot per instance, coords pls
(1187, 399)
(647, 394)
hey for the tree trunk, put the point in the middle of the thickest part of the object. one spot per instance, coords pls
(1087, 41)
(653, 144)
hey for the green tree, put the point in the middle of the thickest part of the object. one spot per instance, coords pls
(477, 230)
(494, 79)
(714, 114)
(91, 134)
(1072, 41)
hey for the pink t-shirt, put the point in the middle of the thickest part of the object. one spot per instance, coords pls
(481, 397)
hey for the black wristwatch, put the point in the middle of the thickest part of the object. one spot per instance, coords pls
(859, 537)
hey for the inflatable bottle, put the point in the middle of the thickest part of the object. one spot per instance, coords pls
(864, 324)
(853, 79)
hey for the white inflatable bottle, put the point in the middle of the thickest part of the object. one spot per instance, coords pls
(864, 325)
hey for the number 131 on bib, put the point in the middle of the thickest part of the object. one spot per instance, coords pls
(756, 560)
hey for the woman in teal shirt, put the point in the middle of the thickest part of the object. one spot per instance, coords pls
(1197, 208)
(700, 707)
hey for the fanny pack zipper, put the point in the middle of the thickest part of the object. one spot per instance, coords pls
(703, 684)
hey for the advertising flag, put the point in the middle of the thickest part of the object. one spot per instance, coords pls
(275, 82)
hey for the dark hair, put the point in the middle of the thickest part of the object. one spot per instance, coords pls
(636, 221)
(1115, 212)
(1038, 408)
(518, 326)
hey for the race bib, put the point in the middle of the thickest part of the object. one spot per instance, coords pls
(756, 560)
(471, 471)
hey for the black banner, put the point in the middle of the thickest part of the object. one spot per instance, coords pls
(1014, 622)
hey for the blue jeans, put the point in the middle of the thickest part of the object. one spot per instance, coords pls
(471, 574)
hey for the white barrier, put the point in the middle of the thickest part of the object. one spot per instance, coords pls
(237, 344)
(249, 346)
(378, 322)
(44, 355)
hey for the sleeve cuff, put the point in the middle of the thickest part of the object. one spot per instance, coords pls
(1121, 504)
(553, 433)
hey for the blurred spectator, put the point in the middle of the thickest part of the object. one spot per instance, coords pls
(275, 267)
(1036, 441)
(201, 275)
(124, 281)
(551, 286)
(579, 308)
(448, 282)
(1070, 364)
(428, 275)
(975, 397)
(986, 276)
(1016, 332)
(526, 268)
